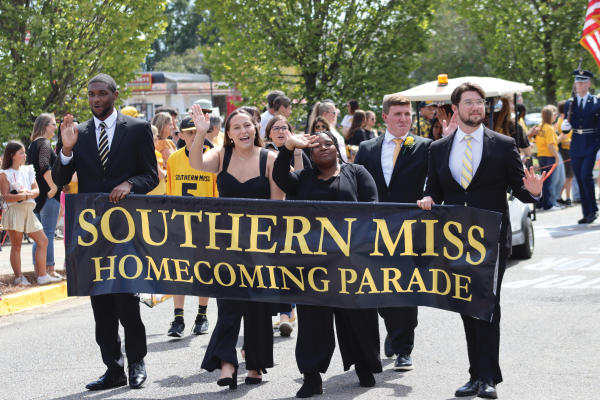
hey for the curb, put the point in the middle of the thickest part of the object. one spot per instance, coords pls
(14, 303)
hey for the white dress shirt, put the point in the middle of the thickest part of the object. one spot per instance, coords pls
(458, 150)
(111, 124)
(387, 155)
(264, 120)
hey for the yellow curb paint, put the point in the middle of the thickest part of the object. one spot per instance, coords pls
(14, 303)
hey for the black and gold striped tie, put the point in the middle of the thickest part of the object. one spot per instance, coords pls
(103, 145)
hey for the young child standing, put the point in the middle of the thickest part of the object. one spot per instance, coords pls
(19, 189)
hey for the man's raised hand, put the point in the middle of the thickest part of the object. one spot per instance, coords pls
(68, 134)
(534, 183)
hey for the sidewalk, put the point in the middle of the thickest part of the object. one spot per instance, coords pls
(34, 297)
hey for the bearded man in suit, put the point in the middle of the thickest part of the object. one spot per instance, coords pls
(111, 153)
(474, 166)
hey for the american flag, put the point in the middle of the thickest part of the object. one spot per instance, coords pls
(590, 38)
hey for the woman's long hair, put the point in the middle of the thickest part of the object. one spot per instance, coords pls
(358, 122)
(227, 142)
(548, 113)
(161, 120)
(40, 124)
(502, 121)
(316, 121)
(9, 152)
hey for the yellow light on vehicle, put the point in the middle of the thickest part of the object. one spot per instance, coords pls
(442, 80)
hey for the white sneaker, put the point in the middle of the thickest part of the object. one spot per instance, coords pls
(58, 234)
(22, 281)
(45, 280)
(554, 208)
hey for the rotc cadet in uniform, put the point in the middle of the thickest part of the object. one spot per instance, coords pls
(183, 180)
(427, 111)
(584, 143)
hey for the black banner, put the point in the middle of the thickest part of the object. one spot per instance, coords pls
(348, 255)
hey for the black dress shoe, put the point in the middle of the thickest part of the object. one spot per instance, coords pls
(365, 376)
(487, 389)
(107, 382)
(312, 385)
(387, 347)
(588, 220)
(471, 388)
(403, 363)
(137, 374)
(231, 382)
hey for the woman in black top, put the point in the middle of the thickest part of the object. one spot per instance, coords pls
(356, 134)
(47, 208)
(243, 170)
(277, 132)
(357, 329)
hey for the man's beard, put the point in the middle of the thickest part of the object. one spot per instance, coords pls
(104, 112)
(472, 120)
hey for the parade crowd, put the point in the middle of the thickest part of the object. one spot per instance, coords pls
(432, 160)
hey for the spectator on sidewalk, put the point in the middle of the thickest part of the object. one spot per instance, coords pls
(347, 120)
(179, 142)
(19, 189)
(547, 144)
(161, 189)
(165, 146)
(41, 157)
(270, 113)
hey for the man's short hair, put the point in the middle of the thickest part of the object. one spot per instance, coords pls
(272, 96)
(112, 85)
(281, 101)
(167, 109)
(394, 100)
(214, 121)
(465, 87)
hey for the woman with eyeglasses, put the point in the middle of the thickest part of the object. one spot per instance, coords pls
(47, 208)
(277, 132)
(331, 179)
(329, 112)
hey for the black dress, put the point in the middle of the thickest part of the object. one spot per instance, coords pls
(357, 329)
(258, 326)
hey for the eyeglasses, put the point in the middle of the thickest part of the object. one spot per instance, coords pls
(470, 103)
(320, 127)
(280, 129)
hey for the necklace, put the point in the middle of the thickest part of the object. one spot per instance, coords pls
(240, 157)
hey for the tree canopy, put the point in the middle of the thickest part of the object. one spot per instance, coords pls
(315, 49)
(70, 41)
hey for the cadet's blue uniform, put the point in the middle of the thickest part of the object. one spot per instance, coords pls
(584, 145)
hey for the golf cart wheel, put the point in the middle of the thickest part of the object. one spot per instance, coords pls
(525, 250)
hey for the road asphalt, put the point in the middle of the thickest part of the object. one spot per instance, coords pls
(549, 347)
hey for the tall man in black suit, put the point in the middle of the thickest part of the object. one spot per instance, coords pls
(472, 165)
(398, 163)
(114, 155)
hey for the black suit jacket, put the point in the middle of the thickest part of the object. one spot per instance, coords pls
(499, 169)
(408, 178)
(131, 157)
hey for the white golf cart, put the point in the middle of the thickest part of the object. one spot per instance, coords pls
(521, 215)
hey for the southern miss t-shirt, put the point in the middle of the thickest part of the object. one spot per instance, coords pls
(183, 180)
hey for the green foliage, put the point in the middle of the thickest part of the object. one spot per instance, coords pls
(315, 49)
(180, 35)
(454, 49)
(531, 41)
(189, 62)
(71, 41)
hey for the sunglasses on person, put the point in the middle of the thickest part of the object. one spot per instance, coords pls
(320, 127)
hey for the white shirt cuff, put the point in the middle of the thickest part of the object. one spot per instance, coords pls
(64, 159)
(537, 198)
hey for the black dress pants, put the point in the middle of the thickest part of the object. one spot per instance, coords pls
(109, 310)
(400, 323)
(357, 332)
(483, 339)
(258, 335)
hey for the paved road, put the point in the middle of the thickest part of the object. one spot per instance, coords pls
(549, 349)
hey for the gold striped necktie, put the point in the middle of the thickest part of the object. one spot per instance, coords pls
(397, 149)
(466, 173)
(103, 145)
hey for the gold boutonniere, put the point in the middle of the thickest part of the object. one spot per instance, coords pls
(408, 143)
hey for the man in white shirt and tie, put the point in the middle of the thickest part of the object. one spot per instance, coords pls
(398, 162)
(111, 153)
(473, 166)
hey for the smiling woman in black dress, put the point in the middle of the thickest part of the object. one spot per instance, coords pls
(244, 170)
(357, 329)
